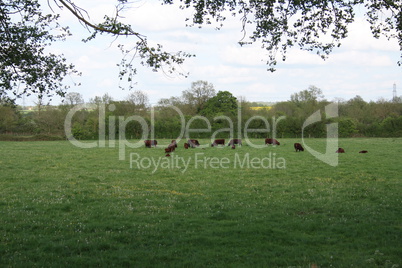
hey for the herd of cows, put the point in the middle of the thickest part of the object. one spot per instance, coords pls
(233, 142)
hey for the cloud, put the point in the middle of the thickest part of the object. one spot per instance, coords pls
(361, 38)
(108, 83)
(155, 17)
(247, 55)
(302, 57)
(361, 58)
(361, 66)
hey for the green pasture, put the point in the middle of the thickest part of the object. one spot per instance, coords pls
(61, 205)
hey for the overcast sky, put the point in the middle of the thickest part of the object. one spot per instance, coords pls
(361, 66)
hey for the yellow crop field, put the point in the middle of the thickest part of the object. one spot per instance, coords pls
(261, 108)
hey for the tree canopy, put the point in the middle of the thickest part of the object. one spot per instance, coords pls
(224, 103)
(312, 94)
(25, 67)
(278, 25)
(199, 94)
(282, 24)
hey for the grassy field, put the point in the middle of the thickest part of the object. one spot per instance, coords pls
(65, 206)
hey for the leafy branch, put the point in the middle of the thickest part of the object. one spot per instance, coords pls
(153, 57)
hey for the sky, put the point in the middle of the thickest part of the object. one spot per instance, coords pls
(362, 66)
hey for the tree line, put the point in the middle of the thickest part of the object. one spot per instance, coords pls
(202, 108)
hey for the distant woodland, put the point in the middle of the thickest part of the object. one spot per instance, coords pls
(197, 107)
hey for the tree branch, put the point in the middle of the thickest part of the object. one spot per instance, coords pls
(74, 11)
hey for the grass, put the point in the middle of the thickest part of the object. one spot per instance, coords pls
(65, 206)
(38, 137)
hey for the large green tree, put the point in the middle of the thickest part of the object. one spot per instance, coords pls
(224, 103)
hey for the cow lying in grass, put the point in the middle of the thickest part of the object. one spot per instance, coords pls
(235, 141)
(340, 151)
(272, 141)
(150, 143)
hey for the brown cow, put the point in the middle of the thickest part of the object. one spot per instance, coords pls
(233, 146)
(218, 142)
(363, 152)
(272, 141)
(340, 151)
(235, 141)
(149, 143)
(174, 142)
(167, 155)
(186, 145)
(193, 143)
(170, 148)
(298, 147)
